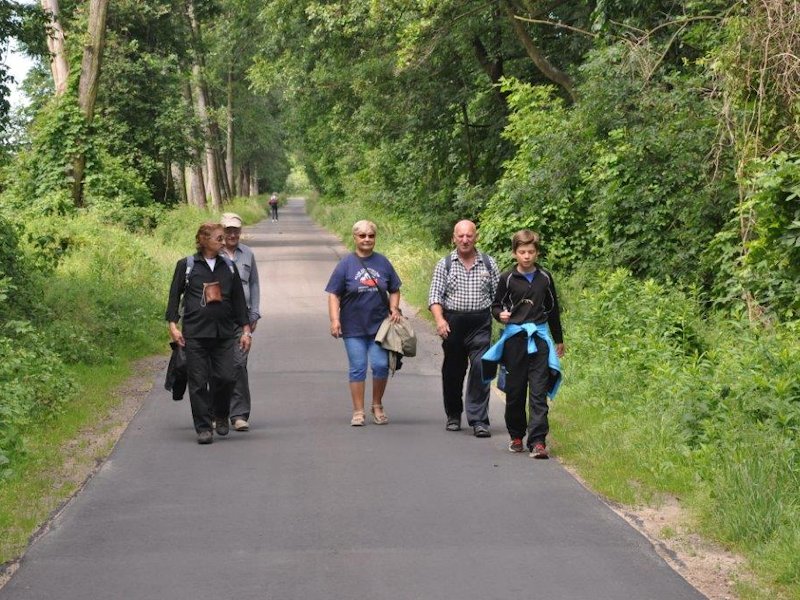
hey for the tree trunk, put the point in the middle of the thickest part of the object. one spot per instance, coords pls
(547, 69)
(195, 182)
(55, 44)
(178, 182)
(229, 140)
(253, 181)
(88, 83)
(202, 105)
(244, 181)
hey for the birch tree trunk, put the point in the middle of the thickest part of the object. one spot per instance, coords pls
(55, 44)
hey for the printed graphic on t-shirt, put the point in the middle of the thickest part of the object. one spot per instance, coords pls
(368, 280)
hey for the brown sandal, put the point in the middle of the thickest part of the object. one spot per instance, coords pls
(358, 418)
(379, 419)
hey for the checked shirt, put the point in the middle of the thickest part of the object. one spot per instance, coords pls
(461, 290)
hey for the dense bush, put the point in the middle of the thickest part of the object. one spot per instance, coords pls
(621, 179)
(669, 401)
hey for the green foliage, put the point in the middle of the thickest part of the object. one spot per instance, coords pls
(767, 263)
(540, 188)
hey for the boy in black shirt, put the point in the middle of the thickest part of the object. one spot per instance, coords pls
(527, 304)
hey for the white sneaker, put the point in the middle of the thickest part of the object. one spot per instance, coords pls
(241, 425)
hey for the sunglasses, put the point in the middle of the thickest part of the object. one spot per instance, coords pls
(365, 235)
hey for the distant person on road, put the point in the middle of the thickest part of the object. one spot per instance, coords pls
(461, 294)
(214, 320)
(532, 342)
(245, 262)
(273, 206)
(357, 304)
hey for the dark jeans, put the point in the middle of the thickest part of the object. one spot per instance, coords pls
(211, 375)
(527, 375)
(470, 336)
(240, 397)
(274, 211)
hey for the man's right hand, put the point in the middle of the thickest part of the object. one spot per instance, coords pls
(442, 328)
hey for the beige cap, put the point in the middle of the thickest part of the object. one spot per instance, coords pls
(231, 220)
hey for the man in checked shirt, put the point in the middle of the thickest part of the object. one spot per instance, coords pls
(462, 290)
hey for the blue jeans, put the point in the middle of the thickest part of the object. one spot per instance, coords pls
(359, 351)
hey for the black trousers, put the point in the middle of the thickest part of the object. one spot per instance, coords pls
(527, 375)
(469, 338)
(211, 374)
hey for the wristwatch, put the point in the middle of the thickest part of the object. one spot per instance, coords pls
(248, 334)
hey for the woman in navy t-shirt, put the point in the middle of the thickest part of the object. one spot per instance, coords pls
(357, 304)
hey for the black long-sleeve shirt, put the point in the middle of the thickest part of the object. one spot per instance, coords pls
(216, 319)
(534, 302)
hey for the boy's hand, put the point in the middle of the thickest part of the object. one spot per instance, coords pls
(504, 316)
(560, 350)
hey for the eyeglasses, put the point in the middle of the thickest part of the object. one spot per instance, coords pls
(365, 235)
(219, 238)
(233, 233)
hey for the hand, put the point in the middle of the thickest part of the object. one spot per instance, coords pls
(504, 316)
(395, 315)
(176, 335)
(443, 328)
(336, 328)
(560, 350)
(245, 342)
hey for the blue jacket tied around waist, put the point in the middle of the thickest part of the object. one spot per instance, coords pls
(494, 355)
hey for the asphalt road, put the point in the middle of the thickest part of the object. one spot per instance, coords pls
(305, 507)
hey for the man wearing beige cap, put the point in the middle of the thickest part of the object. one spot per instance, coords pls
(246, 264)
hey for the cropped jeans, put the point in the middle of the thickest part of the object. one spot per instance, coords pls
(361, 351)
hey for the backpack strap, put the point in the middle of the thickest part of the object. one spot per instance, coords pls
(448, 261)
(190, 266)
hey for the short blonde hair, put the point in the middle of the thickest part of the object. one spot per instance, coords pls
(364, 226)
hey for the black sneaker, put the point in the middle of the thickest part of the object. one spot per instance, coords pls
(205, 437)
(481, 431)
(222, 427)
(515, 445)
(453, 424)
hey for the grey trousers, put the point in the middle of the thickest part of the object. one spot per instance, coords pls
(240, 397)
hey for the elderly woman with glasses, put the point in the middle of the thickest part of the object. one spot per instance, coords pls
(214, 310)
(363, 289)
